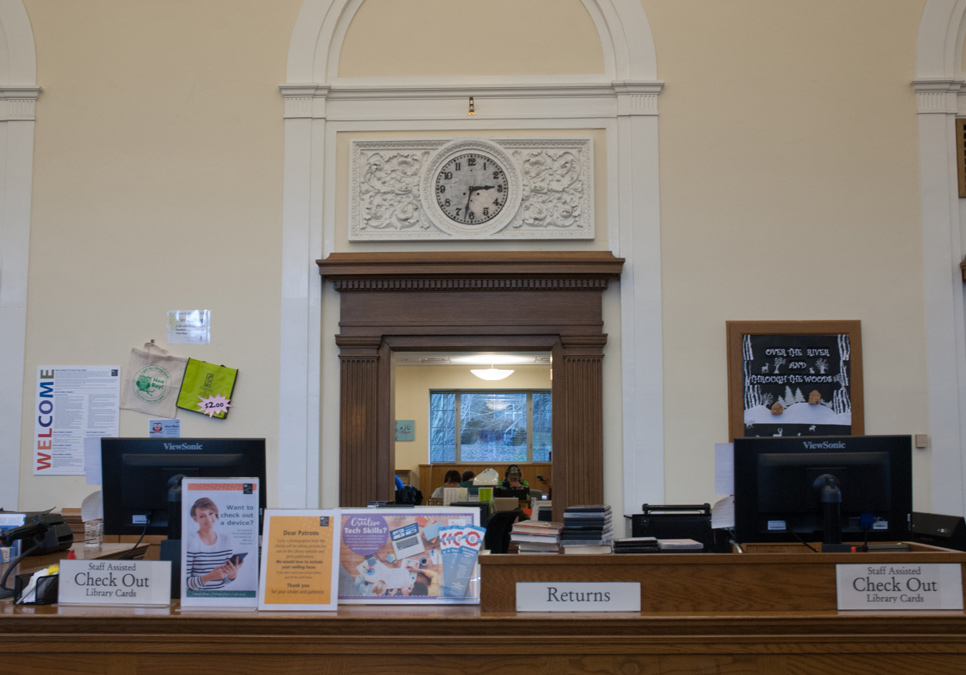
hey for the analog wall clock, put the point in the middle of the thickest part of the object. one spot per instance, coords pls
(471, 187)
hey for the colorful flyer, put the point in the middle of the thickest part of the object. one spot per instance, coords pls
(300, 560)
(394, 556)
(73, 403)
(219, 542)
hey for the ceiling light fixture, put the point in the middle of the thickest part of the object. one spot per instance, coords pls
(492, 374)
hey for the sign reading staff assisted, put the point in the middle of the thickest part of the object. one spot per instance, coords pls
(899, 586)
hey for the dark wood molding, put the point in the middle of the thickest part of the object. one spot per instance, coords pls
(467, 302)
(503, 265)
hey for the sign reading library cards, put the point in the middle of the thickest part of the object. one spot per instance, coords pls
(300, 560)
(899, 586)
(114, 582)
(219, 542)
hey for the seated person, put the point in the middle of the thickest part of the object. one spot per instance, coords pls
(450, 480)
(513, 478)
(467, 479)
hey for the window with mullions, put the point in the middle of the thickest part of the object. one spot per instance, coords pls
(489, 425)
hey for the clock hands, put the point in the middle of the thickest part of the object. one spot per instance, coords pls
(471, 190)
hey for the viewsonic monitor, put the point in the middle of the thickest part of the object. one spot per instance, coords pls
(136, 475)
(776, 499)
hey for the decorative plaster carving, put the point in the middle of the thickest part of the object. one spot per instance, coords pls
(937, 96)
(556, 184)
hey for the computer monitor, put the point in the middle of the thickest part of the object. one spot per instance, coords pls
(779, 481)
(521, 493)
(136, 475)
(484, 508)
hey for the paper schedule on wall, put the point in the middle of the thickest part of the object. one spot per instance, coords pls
(207, 388)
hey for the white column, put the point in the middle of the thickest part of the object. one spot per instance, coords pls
(16, 176)
(299, 376)
(639, 231)
(942, 253)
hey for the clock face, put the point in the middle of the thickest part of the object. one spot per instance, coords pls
(471, 188)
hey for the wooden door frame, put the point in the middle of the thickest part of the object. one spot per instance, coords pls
(470, 301)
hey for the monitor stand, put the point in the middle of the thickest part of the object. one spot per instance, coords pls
(171, 550)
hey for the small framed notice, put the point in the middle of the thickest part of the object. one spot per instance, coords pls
(795, 378)
(189, 327)
(300, 560)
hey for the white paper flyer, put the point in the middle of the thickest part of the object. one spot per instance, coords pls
(219, 542)
(73, 403)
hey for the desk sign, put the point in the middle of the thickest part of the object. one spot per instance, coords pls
(115, 582)
(300, 560)
(899, 586)
(550, 596)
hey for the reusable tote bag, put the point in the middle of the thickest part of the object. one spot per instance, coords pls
(207, 388)
(152, 381)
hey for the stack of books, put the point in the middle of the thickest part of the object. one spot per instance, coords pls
(536, 536)
(587, 529)
(674, 545)
(636, 545)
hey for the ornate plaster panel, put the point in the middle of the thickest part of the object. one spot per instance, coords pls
(388, 200)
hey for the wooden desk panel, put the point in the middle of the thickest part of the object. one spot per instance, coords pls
(701, 583)
(441, 640)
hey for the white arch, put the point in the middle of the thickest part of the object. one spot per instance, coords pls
(622, 25)
(939, 51)
(622, 100)
(18, 94)
(939, 83)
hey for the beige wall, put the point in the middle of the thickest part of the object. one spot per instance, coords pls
(789, 190)
(788, 185)
(412, 399)
(431, 38)
(157, 186)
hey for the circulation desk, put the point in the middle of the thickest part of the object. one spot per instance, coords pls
(714, 613)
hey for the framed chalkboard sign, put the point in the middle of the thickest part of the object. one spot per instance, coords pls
(795, 378)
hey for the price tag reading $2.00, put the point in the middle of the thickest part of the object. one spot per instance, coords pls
(213, 405)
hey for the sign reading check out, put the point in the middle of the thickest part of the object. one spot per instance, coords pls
(549, 596)
(899, 586)
(115, 582)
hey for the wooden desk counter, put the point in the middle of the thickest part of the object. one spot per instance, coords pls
(441, 639)
(779, 581)
(436, 639)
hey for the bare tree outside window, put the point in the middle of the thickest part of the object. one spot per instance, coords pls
(490, 426)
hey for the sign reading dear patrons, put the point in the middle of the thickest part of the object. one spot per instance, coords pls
(794, 378)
